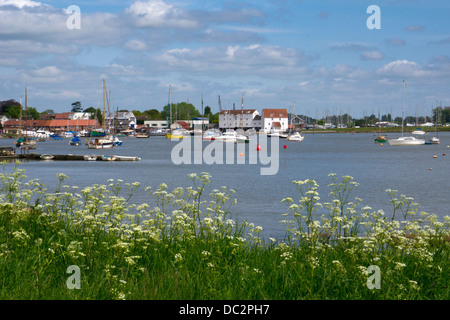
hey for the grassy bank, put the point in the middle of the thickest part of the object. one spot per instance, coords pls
(185, 244)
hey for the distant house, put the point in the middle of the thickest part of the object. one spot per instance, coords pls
(274, 120)
(122, 120)
(198, 122)
(156, 124)
(59, 125)
(295, 122)
(63, 116)
(3, 119)
(11, 126)
(180, 125)
(237, 119)
(257, 122)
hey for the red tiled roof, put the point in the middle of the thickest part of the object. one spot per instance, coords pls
(61, 116)
(11, 123)
(74, 123)
(275, 113)
(184, 124)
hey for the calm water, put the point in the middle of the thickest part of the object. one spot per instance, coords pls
(374, 167)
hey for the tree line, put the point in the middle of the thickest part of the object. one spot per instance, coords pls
(186, 111)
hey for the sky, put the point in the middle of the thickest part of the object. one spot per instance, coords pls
(312, 57)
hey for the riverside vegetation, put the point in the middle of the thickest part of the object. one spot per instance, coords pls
(185, 244)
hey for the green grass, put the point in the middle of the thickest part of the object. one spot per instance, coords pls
(187, 245)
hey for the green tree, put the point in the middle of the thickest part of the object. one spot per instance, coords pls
(92, 111)
(99, 116)
(48, 111)
(13, 111)
(181, 111)
(76, 107)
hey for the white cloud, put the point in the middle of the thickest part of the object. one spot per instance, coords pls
(402, 68)
(228, 61)
(156, 13)
(19, 3)
(415, 28)
(372, 55)
(397, 42)
(49, 71)
(136, 45)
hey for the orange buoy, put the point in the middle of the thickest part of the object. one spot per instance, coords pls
(241, 154)
(435, 156)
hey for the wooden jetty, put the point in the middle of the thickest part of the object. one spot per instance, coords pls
(65, 157)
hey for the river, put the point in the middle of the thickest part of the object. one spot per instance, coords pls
(412, 170)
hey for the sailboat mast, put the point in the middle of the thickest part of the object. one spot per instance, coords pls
(403, 104)
(26, 111)
(104, 93)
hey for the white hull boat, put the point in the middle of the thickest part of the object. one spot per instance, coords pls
(90, 158)
(104, 143)
(228, 136)
(295, 137)
(406, 141)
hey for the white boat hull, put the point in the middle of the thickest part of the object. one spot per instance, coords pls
(295, 137)
(90, 158)
(406, 141)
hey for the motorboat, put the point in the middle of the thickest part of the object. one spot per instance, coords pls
(227, 136)
(26, 143)
(109, 158)
(178, 134)
(277, 134)
(117, 142)
(127, 158)
(75, 142)
(433, 140)
(418, 132)
(210, 134)
(90, 158)
(296, 136)
(101, 143)
(242, 139)
(46, 157)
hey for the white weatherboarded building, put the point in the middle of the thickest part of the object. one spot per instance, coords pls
(237, 119)
(274, 120)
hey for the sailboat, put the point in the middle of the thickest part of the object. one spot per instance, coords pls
(405, 141)
(380, 138)
(434, 140)
(294, 136)
(25, 142)
(107, 141)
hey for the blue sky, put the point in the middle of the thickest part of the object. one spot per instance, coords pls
(318, 56)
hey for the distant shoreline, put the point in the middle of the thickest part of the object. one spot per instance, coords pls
(374, 130)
